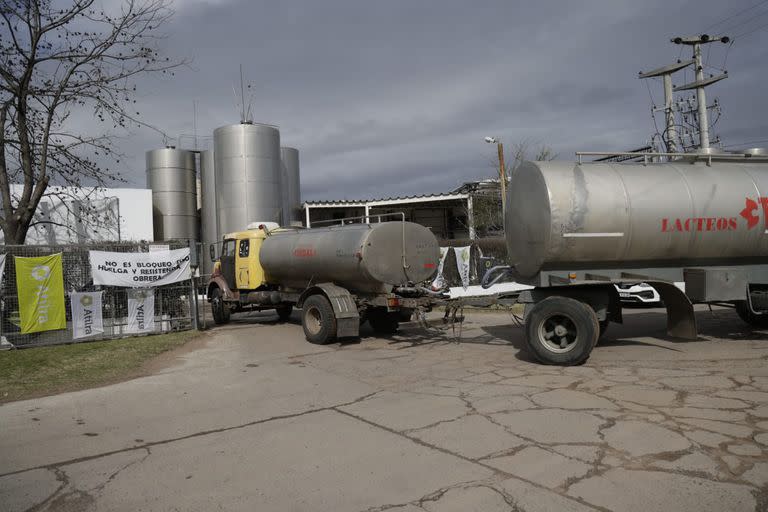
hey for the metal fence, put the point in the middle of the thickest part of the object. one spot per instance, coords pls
(174, 303)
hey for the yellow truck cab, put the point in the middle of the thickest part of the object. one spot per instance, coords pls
(237, 272)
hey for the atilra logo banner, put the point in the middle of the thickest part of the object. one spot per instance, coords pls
(141, 311)
(40, 286)
(87, 317)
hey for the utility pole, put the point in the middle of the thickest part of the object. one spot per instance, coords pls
(502, 176)
(700, 83)
(669, 110)
(502, 171)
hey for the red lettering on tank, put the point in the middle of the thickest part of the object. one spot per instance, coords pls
(429, 265)
(764, 202)
(304, 252)
(748, 213)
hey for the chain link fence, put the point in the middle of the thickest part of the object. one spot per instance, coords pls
(174, 303)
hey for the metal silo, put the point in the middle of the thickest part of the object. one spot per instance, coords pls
(208, 226)
(291, 184)
(171, 176)
(247, 161)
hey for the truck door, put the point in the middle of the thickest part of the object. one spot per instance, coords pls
(228, 263)
(242, 264)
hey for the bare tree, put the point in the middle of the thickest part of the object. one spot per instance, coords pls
(523, 150)
(487, 211)
(58, 60)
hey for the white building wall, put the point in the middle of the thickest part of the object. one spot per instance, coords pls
(71, 215)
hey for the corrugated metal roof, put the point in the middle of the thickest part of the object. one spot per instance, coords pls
(398, 199)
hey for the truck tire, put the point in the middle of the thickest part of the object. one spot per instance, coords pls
(384, 322)
(284, 312)
(603, 327)
(561, 331)
(742, 309)
(318, 320)
(219, 308)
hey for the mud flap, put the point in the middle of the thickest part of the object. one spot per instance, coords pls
(681, 320)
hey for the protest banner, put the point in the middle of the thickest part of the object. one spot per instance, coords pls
(140, 269)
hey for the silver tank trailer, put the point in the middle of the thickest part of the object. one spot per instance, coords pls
(359, 257)
(171, 176)
(247, 161)
(291, 185)
(566, 216)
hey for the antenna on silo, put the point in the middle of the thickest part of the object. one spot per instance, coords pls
(242, 97)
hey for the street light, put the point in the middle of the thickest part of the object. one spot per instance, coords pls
(502, 171)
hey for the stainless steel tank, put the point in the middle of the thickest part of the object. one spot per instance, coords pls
(291, 185)
(360, 257)
(564, 216)
(171, 176)
(208, 226)
(247, 161)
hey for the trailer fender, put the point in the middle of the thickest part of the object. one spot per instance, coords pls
(602, 297)
(344, 307)
(681, 320)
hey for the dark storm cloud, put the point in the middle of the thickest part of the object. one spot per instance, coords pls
(394, 98)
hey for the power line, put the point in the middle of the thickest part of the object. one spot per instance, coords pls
(737, 14)
(751, 31)
(748, 21)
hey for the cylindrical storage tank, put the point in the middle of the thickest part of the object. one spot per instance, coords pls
(291, 185)
(566, 216)
(247, 161)
(171, 176)
(359, 257)
(208, 225)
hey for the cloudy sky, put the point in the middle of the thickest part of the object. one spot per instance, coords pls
(394, 97)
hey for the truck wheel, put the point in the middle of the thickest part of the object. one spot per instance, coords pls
(219, 307)
(603, 328)
(384, 322)
(284, 312)
(561, 331)
(742, 308)
(318, 320)
(405, 314)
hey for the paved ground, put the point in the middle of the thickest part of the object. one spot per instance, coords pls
(258, 419)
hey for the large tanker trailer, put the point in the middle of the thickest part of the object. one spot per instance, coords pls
(574, 230)
(340, 276)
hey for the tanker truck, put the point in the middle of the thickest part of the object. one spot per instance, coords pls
(340, 276)
(574, 230)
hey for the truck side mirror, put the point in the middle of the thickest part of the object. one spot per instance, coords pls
(212, 250)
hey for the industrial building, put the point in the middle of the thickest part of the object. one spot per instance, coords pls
(469, 211)
(78, 215)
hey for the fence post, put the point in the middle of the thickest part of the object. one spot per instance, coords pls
(193, 304)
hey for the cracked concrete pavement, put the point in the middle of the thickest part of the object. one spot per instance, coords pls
(258, 419)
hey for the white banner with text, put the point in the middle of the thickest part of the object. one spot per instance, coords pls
(140, 269)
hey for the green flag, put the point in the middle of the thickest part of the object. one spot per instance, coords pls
(40, 286)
